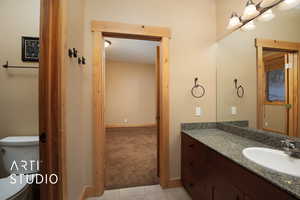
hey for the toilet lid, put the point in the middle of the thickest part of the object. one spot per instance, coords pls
(8, 189)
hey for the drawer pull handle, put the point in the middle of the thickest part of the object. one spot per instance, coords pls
(191, 163)
(191, 145)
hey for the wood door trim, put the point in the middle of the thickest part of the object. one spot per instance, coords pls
(133, 31)
(276, 44)
(260, 83)
(122, 30)
(51, 96)
(157, 81)
(296, 95)
(175, 183)
(287, 47)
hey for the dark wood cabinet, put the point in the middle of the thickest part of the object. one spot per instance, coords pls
(207, 175)
(224, 191)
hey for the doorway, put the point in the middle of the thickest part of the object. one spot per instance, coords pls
(130, 113)
(100, 30)
(278, 86)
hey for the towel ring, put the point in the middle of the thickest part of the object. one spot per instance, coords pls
(239, 89)
(196, 86)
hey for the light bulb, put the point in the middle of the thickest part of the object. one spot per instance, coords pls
(107, 43)
(249, 26)
(234, 21)
(266, 16)
(250, 11)
(288, 4)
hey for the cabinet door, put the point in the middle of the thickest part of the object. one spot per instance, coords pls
(246, 197)
(225, 191)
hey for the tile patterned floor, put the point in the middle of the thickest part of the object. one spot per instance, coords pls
(153, 192)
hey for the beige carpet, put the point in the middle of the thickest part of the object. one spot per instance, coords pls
(131, 157)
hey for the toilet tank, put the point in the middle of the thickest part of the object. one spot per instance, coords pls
(20, 154)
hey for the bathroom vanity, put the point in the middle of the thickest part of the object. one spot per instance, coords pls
(214, 168)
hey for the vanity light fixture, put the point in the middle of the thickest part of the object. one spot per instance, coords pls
(249, 26)
(250, 11)
(234, 21)
(288, 4)
(268, 3)
(266, 16)
(107, 43)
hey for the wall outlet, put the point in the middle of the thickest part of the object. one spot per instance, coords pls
(125, 121)
(198, 111)
(233, 110)
(266, 124)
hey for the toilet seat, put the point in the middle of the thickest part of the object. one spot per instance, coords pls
(9, 190)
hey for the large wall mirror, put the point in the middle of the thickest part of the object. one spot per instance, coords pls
(258, 75)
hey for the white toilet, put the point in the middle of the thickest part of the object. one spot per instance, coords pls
(14, 150)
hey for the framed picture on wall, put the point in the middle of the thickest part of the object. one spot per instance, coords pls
(30, 49)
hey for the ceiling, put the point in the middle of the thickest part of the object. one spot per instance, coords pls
(129, 50)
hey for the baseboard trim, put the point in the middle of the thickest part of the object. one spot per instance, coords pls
(128, 125)
(174, 183)
(87, 191)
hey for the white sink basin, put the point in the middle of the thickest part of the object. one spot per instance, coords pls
(273, 159)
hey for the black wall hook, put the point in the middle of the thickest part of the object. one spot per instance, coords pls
(73, 53)
(239, 88)
(196, 86)
(81, 60)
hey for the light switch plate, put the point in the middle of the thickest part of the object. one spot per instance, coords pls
(198, 111)
(233, 110)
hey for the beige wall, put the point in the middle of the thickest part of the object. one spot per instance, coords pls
(236, 58)
(78, 146)
(130, 93)
(18, 87)
(192, 54)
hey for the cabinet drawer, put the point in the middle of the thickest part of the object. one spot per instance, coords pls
(192, 150)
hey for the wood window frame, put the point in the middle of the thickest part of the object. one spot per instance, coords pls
(99, 30)
(293, 115)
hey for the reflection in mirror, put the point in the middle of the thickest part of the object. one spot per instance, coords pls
(265, 62)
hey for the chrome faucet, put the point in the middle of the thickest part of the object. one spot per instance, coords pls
(290, 148)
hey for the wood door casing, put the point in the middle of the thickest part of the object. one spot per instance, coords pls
(157, 74)
(293, 88)
(102, 29)
(51, 97)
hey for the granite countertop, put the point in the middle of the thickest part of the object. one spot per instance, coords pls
(231, 146)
